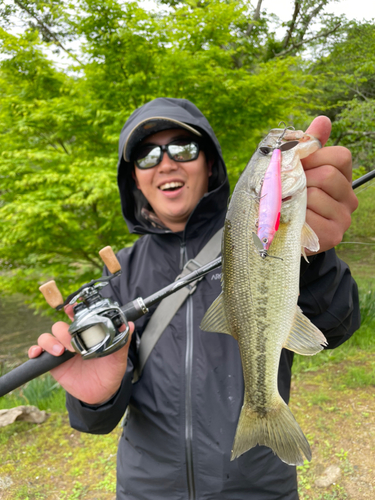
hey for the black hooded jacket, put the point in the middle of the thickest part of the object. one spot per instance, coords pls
(183, 411)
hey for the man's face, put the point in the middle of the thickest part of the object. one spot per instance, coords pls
(172, 188)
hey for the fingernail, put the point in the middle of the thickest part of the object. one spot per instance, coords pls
(58, 349)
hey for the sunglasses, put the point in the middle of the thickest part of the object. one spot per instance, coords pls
(180, 150)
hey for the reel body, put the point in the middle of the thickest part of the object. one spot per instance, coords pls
(99, 327)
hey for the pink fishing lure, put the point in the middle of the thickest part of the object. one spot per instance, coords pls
(270, 201)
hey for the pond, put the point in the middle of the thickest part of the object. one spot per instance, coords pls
(20, 327)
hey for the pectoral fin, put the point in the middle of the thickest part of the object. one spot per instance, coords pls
(304, 337)
(215, 319)
(309, 240)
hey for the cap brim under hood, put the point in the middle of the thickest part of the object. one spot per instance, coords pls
(179, 111)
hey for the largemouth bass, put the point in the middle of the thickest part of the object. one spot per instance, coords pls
(258, 302)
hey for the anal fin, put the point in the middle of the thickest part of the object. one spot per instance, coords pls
(215, 319)
(304, 337)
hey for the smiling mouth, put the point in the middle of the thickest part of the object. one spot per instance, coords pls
(171, 186)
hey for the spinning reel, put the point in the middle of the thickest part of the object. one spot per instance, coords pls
(100, 326)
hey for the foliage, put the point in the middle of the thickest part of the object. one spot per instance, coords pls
(43, 392)
(362, 228)
(75, 72)
(348, 91)
(354, 128)
(59, 201)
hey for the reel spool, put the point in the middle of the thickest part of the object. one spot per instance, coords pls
(99, 326)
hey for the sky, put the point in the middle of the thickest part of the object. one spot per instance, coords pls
(353, 9)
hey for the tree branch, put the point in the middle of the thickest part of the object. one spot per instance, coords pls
(255, 18)
(296, 45)
(62, 145)
(353, 132)
(76, 252)
(356, 91)
(306, 22)
(288, 36)
(46, 28)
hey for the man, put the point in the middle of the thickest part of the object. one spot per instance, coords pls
(183, 410)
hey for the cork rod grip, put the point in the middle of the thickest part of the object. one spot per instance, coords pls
(51, 294)
(110, 260)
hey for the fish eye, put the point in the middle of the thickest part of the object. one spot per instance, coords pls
(265, 240)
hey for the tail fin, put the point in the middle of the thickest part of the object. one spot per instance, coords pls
(277, 429)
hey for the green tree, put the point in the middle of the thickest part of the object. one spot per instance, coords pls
(59, 203)
(347, 84)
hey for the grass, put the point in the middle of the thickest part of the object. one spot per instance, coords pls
(42, 392)
(359, 346)
(333, 400)
(52, 461)
(333, 397)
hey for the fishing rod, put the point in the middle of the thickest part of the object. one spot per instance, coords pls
(100, 326)
(362, 180)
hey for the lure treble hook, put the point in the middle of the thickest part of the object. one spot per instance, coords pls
(286, 127)
(265, 150)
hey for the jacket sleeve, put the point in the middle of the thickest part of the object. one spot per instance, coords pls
(329, 297)
(101, 419)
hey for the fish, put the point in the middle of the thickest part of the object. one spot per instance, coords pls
(258, 301)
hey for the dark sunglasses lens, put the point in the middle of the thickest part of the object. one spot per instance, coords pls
(148, 157)
(184, 152)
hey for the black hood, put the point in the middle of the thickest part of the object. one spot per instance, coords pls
(132, 200)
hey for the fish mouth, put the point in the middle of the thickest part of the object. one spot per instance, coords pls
(171, 186)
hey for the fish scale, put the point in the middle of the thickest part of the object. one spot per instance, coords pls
(258, 303)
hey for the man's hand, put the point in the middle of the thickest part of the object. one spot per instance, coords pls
(330, 197)
(92, 381)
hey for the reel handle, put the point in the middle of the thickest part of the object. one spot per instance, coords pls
(31, 369)
(110, 260)
(52, 294)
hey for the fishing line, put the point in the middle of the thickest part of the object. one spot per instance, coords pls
(355, 243)
(365, 188)
(355, 184)
(362, 180)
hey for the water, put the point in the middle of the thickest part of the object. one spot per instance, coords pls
(19, 329)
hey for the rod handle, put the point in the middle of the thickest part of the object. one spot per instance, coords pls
(52, 294)
(31, 369)
(110, 260)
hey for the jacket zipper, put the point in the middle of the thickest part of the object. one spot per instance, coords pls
(188, 386)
